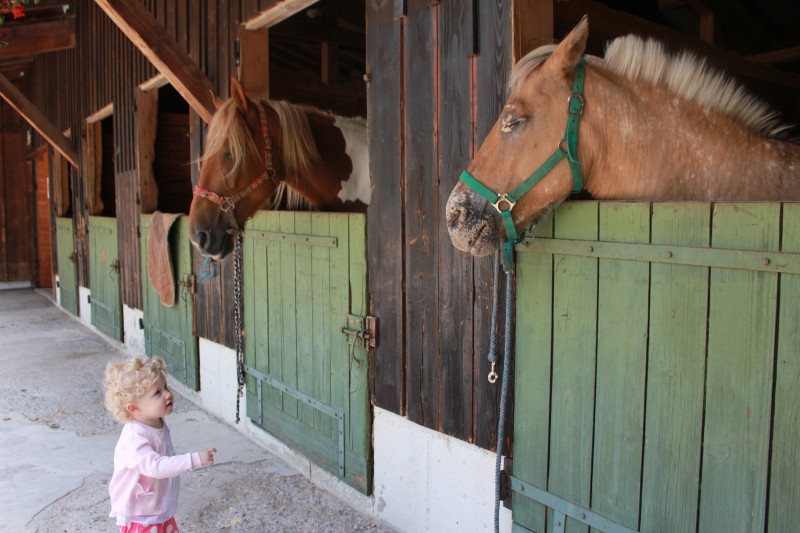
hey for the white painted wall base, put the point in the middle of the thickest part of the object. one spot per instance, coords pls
(427, 481)
(58, 291)
(134, 335)
(84, 307)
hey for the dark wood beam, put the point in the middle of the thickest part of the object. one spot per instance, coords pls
(150, 37)
(275, 12)
(37, 37)
(37, 120)
(784, 55)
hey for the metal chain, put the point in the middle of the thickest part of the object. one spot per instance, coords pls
(238, 319)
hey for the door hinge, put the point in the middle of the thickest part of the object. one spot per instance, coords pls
(362, 328)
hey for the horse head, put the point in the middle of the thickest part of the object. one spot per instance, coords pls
(238, 175)
(529, 129)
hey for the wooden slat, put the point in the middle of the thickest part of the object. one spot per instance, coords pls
(622, 323)
(384, 234)
(490, 74)
(421, 209)
(304, 316)
(532, 364)
(573, 370)
(675, 374)
(741, 338)
(170, 59)
(784, 493)
(456, 342)
(321, 332)
(288, 306)
(360, 426)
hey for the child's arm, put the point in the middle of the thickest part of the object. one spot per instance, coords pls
(152, 464)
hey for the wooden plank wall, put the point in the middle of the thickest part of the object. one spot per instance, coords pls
(17, 223)
(437, 75)
(104, 67)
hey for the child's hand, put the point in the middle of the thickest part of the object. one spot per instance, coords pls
(207, 456)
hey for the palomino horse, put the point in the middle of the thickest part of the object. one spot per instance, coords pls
(653, 127)
(319, 161)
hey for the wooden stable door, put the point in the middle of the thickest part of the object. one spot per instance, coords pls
(305, 279)
(168, 331)
(656, 369)
(104, 269)
(67, 273)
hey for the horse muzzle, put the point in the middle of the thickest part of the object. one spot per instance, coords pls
(214, 242)
(472, 222)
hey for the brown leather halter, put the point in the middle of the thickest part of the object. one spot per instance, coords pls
(227, 204)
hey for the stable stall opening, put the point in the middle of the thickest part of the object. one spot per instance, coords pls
(164, 149)
(99, 164)
(171, 168)
(318, 57)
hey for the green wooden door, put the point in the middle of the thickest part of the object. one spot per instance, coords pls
(67, 278)
(656, 345)
(104, 276)
(168, 331)
(307, 383)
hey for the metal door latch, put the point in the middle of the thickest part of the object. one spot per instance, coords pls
(364, 328)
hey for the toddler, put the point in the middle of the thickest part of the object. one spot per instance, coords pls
(146, 482)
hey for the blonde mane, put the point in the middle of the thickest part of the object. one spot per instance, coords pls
(298, 149)
(684, 74)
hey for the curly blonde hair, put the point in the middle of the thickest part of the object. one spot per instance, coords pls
(127, 380)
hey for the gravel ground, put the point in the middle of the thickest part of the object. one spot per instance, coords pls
(50, 390)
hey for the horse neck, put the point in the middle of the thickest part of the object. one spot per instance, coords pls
(645, 144)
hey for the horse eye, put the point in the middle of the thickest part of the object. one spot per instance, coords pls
(227, 155)
(510, 122)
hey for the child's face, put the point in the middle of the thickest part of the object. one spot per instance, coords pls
(153, 405)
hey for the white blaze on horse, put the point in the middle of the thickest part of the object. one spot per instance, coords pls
(650, 126)
(263, 154)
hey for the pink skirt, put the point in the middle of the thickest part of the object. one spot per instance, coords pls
(170, 526)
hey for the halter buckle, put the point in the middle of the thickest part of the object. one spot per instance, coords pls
(579, 98)
(503, 198)
(227, 205)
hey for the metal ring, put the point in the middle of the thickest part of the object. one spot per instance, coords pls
(504, 198)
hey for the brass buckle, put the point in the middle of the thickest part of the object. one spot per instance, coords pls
(504, 198)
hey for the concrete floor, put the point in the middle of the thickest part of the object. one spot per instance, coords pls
(57, 443)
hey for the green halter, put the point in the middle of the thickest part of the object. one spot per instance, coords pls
(505, 202)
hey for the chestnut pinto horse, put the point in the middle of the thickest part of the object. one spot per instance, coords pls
(651, 127)
(267, 154)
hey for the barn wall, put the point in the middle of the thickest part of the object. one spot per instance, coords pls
(426, 118)
(103, 68)
(437, 81)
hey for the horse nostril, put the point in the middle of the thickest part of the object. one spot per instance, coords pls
(202, 238)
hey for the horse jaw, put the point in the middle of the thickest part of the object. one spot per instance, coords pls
(471, 226)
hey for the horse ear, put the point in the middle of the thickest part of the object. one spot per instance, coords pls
(217, 100)
(570, 50)
(237, 92)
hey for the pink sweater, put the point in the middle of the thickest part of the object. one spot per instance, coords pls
(146, 481)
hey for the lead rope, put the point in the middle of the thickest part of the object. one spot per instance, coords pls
(237, 318)
(501, 423)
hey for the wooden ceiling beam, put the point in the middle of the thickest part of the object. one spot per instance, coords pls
(37, 120)
(37, 37)
(150, 37)
(278, 11)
